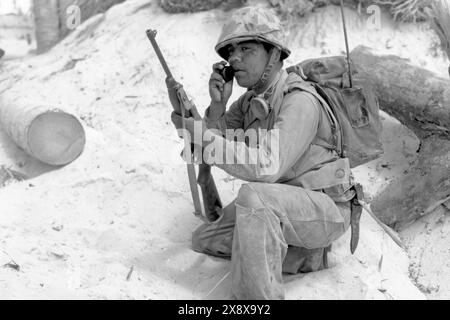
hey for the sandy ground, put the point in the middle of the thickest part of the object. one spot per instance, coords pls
(116, 223)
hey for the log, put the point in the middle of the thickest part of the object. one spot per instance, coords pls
(420, 100)
(415, 96)
(49, 134)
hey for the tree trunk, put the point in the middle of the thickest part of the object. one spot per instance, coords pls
(420, 100)
(46, 21)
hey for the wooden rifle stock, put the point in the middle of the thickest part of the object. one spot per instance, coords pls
(211, 199)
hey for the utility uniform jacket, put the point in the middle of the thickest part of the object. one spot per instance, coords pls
(285, 150)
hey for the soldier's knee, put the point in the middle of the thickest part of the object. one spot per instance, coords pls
(248, 197)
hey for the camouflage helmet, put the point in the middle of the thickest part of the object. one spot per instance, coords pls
(252, 23)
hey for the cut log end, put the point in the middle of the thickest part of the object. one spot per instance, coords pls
(56, 138)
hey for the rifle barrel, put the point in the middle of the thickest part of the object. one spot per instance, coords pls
(210, 195)
(151, 34)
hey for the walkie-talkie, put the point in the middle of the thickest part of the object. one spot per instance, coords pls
(227, 73)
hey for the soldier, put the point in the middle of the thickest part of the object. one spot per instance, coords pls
(284, 219)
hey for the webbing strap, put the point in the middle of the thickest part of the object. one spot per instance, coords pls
(335, 127)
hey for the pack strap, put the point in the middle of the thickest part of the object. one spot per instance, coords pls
(336, 143)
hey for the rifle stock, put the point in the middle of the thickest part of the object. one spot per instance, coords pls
(211, 199)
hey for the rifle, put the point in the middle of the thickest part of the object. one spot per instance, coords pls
(211, 200)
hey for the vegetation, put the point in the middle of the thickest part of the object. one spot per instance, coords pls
(401, 10)
(407, 10)
(180, 6)
(440, 22)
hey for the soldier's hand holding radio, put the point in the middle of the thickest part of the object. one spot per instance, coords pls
(220, 88)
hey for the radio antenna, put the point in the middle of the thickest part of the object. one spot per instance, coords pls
(346, 45)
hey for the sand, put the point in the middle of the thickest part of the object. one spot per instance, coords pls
(117, 222)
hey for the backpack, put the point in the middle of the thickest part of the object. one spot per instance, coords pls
(353, 112)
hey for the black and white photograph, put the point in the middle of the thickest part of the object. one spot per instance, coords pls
(234, 151)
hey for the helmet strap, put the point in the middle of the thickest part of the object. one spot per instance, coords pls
(274, 57)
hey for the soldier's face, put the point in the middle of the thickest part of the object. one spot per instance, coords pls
(249, 59)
